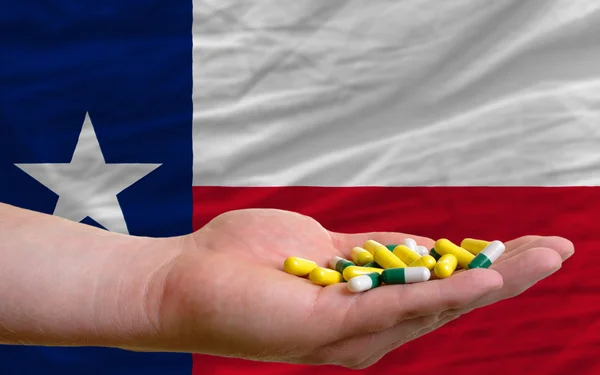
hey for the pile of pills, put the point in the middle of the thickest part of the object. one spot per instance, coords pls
(375, 264)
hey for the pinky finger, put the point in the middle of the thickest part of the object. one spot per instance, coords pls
(365, 349)
(375, 357)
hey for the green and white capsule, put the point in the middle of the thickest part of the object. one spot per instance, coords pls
(488, 255)
(364, 282)
(339, 263)
(422, 250)
(372, 264)
(407, 275)
(434, 254)
(410, 243)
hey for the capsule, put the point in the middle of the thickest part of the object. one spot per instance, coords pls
(444, 246)
(434, 254)
(426, 261)
(405, 254)
(422, 250)
(473, 246)
(353, 271)
(391, 247)
(410, 243)
(371, 245)
(392, 276)
(339, 263)
(364, 282)
(360, 256)
(387, 259)
(445, 266)
(372, 264)
(488, 255)
(324, 276)
(298, 266)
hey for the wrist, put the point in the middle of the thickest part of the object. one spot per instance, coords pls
(185, 298)
(131, 292)
(64, 283)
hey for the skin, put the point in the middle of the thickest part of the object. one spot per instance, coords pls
(222, 291)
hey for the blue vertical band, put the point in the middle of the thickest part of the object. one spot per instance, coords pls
(127, 63)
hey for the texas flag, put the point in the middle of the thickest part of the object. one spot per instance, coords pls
(464, 118)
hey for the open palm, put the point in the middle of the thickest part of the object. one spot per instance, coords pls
(226, 294)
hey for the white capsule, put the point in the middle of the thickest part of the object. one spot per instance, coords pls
(416, 274)
(494, 250)
(410, 243)
(360, 284)
(422, 250)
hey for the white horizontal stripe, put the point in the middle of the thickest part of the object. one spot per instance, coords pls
(388, 93)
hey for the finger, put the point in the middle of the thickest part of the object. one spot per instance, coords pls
(386, 306)
(344, 242)
(520, 273)
(355, 350)
(391, 337)
(518, 242)
(561, 245)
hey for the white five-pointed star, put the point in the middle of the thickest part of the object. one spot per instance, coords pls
(88, 186)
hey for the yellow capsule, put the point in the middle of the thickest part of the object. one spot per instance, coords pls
(325, 276)
(298, 266)
(445, 266)
(371, 245)
(353, 271)
(387, 259)
(444, 246)
(426, 261)
(360, 256)
(405, 254)
(473, 246)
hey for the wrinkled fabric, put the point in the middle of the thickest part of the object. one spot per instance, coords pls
(396, 93)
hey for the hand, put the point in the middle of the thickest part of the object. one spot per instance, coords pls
(226, 293)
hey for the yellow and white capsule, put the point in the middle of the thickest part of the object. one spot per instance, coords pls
(444, 246)
(387, 259)
(354, 271)
(473, 246)
(371, 246)
(406, 254)
(360, 256)
(426, 261)
(445, 266)
(324, 276)
(298, 266)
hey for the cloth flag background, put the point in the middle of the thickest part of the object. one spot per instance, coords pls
(443, 119)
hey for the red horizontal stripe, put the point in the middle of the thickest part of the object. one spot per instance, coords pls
(553, 328)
